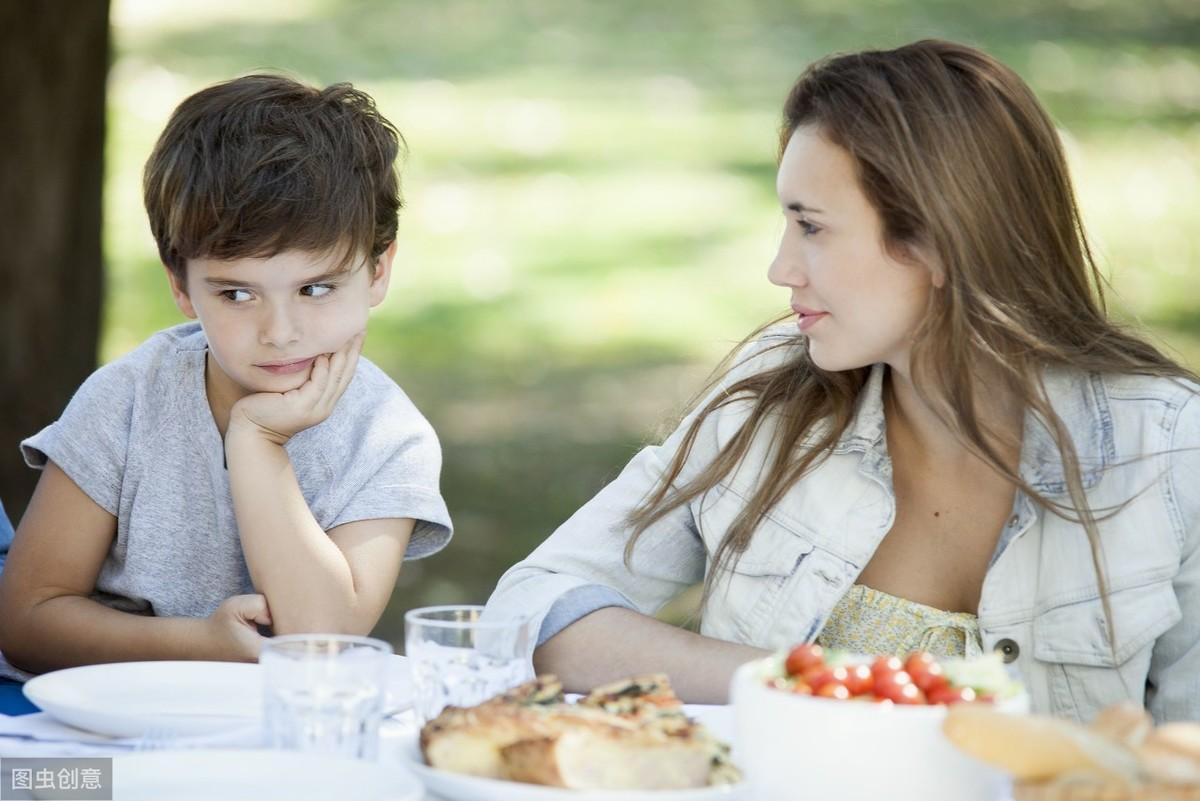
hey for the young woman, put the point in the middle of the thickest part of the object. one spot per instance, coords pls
(950, 448)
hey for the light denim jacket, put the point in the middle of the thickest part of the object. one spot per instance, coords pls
(1039, 605)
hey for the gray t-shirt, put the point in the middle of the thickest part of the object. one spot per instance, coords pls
(139, 438)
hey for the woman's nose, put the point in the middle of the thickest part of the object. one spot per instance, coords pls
(787, 268)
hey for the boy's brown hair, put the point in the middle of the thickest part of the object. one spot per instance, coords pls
(261, 164)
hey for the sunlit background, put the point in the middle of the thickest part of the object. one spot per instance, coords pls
(590, 207)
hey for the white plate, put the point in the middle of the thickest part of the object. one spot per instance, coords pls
(458, 787)
(127, 699)
(257, 775)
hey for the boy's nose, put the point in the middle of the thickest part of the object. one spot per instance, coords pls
(279, 329)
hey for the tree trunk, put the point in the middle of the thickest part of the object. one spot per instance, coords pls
(54, 62)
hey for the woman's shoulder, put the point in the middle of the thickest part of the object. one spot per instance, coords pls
(772, 347)
(1136, 387)
(1170, 401)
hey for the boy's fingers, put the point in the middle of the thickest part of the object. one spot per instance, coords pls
(354, 349)
(329, 390)
(318, 380)
(342, 366)
(255, 609)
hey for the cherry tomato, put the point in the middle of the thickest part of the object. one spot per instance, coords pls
(952, 695)
(833, 689)
(800, 688)
(819, 677)
(886, 664)
(804, 657)
(860, 680)
(925, 671)
(891, 684)
(933, 683)
(910, 694)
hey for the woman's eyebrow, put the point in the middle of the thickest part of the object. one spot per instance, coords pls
(800, 208)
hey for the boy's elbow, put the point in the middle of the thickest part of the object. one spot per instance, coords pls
(16, 642)
(321, 622)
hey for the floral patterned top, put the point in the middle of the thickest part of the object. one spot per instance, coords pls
(867, 621)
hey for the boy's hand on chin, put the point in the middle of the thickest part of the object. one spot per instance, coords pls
(280, 416)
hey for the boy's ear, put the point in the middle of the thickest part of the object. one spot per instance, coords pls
(383, 274)
(179, 292)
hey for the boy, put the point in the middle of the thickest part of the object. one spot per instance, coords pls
(247, 469)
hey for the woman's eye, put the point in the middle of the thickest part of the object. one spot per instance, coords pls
(236, 295)
(808, 228)
(317, 290)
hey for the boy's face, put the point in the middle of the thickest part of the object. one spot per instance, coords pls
(267, 320)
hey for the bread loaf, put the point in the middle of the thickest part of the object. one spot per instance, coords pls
(1035, 748)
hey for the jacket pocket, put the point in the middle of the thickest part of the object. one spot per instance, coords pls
(1085, 672)
(774, 550)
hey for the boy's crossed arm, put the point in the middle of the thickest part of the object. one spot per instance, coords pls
(48, 621)
(309, 580)
(338, 581)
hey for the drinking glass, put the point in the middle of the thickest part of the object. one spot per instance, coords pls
(325, 693)
(460, 657)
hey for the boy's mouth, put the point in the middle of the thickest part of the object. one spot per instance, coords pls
(285, 368)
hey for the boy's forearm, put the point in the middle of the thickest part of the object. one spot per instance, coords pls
(70, 630)
(615, 643)
(303, 574)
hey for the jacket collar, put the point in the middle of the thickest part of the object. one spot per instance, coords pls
(1077, 398)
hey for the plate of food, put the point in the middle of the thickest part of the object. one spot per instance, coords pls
(631, 740)
(862, 728)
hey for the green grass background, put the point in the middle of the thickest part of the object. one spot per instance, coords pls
(590, 202)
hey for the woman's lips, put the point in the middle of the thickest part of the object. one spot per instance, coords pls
(807, 321)
(287, 368)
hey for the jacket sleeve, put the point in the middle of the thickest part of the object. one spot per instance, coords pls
(1174, 680)
(580, 567)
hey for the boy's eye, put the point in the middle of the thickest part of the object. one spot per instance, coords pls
(236, 295)
(317, 290)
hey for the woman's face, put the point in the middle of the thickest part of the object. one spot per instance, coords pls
(857, 304)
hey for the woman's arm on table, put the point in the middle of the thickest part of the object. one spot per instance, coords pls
(614, 643)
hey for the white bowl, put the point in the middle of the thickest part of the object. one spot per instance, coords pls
(796, 746)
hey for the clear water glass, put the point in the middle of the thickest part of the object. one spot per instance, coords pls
(461, 657)
(324, 693)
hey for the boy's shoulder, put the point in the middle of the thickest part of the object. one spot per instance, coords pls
(163, 349)
(153, 369)
(374, 413)
(374, 399)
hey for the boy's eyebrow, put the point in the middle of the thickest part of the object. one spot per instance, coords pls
(217, 283)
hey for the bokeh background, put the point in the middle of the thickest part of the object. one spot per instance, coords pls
(590, 201)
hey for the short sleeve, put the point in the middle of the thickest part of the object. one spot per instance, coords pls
(89, 442)
(406, 482)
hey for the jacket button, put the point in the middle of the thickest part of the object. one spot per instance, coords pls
(1008, 649)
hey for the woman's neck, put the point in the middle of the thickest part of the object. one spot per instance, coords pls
(914, 426)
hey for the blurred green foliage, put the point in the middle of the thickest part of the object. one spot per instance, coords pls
(590, 200)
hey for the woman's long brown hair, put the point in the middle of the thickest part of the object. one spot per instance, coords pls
(960, 160)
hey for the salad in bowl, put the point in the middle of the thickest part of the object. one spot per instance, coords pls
(826, 724)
